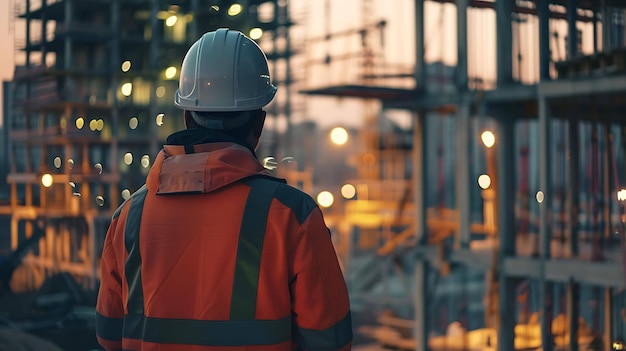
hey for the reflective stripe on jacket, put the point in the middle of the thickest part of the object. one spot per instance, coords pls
(214, 253)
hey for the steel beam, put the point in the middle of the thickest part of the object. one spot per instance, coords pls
(582, 87)
(562, 270)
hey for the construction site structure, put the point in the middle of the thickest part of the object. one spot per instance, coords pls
(507, 233)
(91, 105)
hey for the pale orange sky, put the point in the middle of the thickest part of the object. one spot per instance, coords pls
(6, 46)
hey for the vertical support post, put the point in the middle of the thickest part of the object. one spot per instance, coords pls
(607, 37)
(544, 39)
(573, 181)
(572, 30)
(572, 207)
(462, 170)
(504, 41)
(419, 176)
(193, 28)
(421, 305)
(573, 313)
(28, 25)
(596, 9)
(421, 229)
(44, 30)
(154, 55)
(607, 336)
(545, 212)
(462, 162)
(420, 65)
(607, 156)
(287, 103)
(461, 34)
(68, 62)
(506, 233)
(115, 111)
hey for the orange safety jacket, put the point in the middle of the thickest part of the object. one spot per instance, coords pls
(214, 253)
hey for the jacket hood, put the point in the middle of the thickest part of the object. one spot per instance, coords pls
(202, 168)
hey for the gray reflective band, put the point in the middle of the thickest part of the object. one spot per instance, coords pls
(208, 333)
(332, 338)
(132, 267)
(109, 328)
(250, 248)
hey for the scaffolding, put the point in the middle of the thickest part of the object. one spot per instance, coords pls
(545, 239)
(92, 102)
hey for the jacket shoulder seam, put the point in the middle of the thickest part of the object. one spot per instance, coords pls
(296, 200)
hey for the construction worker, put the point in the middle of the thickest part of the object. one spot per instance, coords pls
(214, 252)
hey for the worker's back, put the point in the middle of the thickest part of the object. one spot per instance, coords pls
(219, 256)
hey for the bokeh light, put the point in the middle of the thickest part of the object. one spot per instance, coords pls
(126, 66)
(539, 196)
(339, 135)
(160, 91)
(270, 163)
(170, 72)
(256, 33)
(159, 119)
(325, 199)
(125, 194)
(46, 180)
(127, 89)
(57, 162)
(171, 21)
(80, 122)
(100, 200)
(128, 158)
(234, 9)
(145, 161)
(348, 191)
(488, 138)
(484, 181)
(133, 123)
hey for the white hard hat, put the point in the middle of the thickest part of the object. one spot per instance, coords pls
(224, 71)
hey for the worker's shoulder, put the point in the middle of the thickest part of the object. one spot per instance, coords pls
(295, 199)
(140, 192)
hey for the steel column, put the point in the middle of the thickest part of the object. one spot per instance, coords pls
(572, 31)
(421, 230)
(461, 31)
(462, 172)
(506, 232)
(420, 65)
(543, 10)
(545, 212)
(504, 41)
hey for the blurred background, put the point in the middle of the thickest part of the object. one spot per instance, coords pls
(469, 157)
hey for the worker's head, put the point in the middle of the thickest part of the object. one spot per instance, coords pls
(224, 84)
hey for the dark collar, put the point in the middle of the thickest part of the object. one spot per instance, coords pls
(202, 136)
